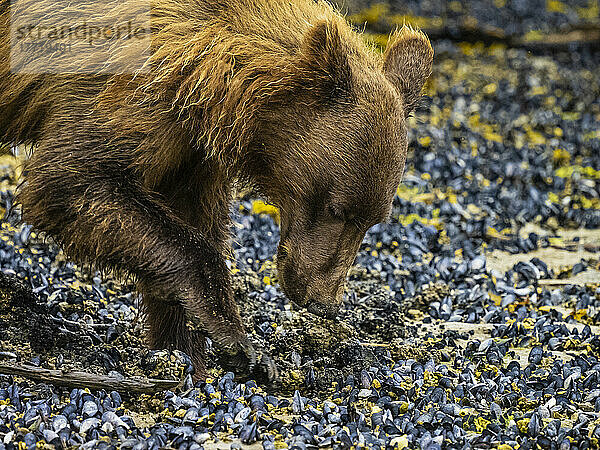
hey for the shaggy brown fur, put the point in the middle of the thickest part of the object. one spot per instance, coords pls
(137, 173)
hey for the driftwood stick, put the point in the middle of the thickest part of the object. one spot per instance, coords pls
(91, 381)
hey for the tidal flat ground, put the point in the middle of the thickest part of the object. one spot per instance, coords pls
(471, 319)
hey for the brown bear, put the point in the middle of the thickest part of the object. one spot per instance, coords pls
(136, 172)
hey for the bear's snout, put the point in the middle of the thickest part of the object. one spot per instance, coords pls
(315, 292)
(313, 262)
(322, 310)
(325, 298)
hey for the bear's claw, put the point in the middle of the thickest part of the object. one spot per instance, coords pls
(246, 362)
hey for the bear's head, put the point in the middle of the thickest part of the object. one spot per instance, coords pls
(332, 152)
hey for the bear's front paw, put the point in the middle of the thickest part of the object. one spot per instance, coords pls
(245, 361)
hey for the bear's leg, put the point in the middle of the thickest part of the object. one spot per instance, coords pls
(119, 224)
(202, 200)
(168, 328)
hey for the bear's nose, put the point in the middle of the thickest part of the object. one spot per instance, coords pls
(322, 310)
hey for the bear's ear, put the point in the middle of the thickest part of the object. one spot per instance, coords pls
(326, 57)
(407, 64)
